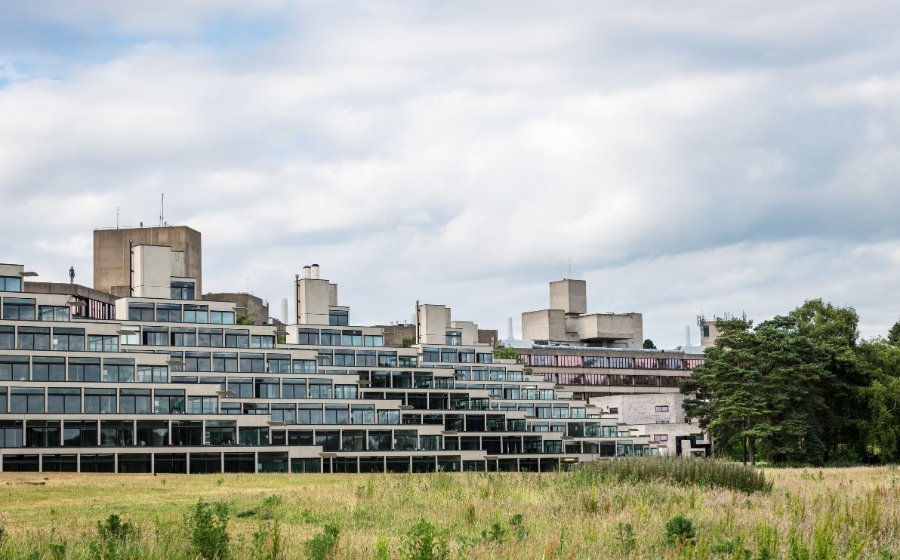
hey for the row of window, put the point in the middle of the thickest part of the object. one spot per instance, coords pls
(187, 336)
(456, 355)
(62, 339)
(10, 284)
(616, 380)
(330, 337)
(610, 362)
(113, 370)
(177, 313)
(480, 373)
(64, 400)
(26, 309)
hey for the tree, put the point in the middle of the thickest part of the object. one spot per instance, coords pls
(879, 416)
(648, 345)
(244, 320)
(407, 342)
(894, 335)
(507, 353)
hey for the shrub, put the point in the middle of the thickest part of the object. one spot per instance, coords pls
(208, 529)
(113, 536)
(321, 546)
(679, 530)
(734, 546)
(626, 537)
(423, 542)
(267, 541)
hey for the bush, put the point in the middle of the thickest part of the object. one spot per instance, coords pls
(209, 530)
(679, 530)
(114, 535)
(423, 542)
(321, 547)
(683, 471)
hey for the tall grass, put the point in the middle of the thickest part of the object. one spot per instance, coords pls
(680, 471)
(579, 515)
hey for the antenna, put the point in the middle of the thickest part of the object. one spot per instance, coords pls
(162, 213)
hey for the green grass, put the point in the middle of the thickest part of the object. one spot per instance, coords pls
(609, 512)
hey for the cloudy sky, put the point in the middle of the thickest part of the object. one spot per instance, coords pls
(686, 156)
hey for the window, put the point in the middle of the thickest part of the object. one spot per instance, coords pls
(221, 317)
(338, 318)
(99, 401)
(448, 355)
(344, 358)
(538, 360)
(42, 433)
(118, 370)
(226, 362)
(252, 363)
(184, 337)
(309, 414)
(197, 361)
(387, 359)
(220, 432)
(595, 361)
(268, 388)
(374, 340)
(168, 312)
(98, 343)
(63, 401)
(293, 388)
(337, 414)
(11, 433)
(196, 313)
(613, 410)
(130, 339)
(660, 437)
(140, 311)
(28, 400)
(152, 374)
(80, 433)
(485, 358)
(14, 368)
(286, 413)
(259, 341)
(34, 338)
(664, 408)
(237, 339)
(405, 440)
(388, 417)
(182, 290)
(705, 331)
(429, 443)
(331, 337)
(345, 391)
(10, 284)
(279, 363)
(304, 366)
(71, 340)
(467, 356)
(351, 338)
(662, 421)
(156, 336)
(363, 413)
(187, 432)
(48, 369)
(7, 338)
(119, 433)
(53, 313)
(168, 401)
(253, 436)
(242, 387)
(454, 338)
(18, 309)
(211, 338)
(154, 433)
(135, 401)
(84, 369)
(308, 336)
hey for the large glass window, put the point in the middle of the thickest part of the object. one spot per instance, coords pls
(448, 355)
(152, 374)
(260, 341)
(27, 400)
(388, 416)
(344, 358)
(237, 338)
(168, 401)
(140, 311)
(304, 366)
(168, 312)
(135, 401)
(80, 433)
(220, 432)
(338, 318)
(119, 433)
(387, 359)
(293, 388)
(184, 337)
(187, 432)
(11, 433)
(63, 401)
(225, 362)
(152, 433)
(309, 414)
(34, 338)
(7, 338)
(286, 413)
(18, 309)
(84, 369)
(130, 339)
(267, 388)
(253, 436)
(196, 313)
(10, 284)
(337, 414)
(279, 363)
(405, 440)
(182, 290)
(308, 336)
(156, 336)
(373, 340)
(319, 389)
(42, 433)
(454, 338)
(253, 363)
(53, 313)
(99, 401)
(48, 369)
(242, 387)
(118, 370)
(197, 361)
(99, 343)
(68, 340)
(221, 317)
(211, 338)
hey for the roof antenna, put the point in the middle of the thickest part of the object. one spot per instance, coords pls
(162, 202)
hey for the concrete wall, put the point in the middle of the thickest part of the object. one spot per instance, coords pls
(152, 271)
(256, 308)
(468, 329)
(313, 299)
(641, 409)
(68, 289)
(488, 336)
(709, 340)
(569, 295)
(13, 270)
(547, 324)
(433, 322)
(394, 334)
(624, 327)
(111, 262)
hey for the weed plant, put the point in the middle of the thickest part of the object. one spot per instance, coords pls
(603, 511)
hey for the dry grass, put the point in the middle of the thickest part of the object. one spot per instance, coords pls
(842, 513)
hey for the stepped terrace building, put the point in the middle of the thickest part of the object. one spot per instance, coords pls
(165, 381)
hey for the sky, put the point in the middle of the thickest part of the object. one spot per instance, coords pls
(681, 157)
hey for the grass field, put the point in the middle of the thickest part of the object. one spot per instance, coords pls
(809, 514)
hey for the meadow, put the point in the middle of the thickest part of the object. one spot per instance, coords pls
(630, 510)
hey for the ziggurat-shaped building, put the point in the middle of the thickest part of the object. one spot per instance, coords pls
(143, 374)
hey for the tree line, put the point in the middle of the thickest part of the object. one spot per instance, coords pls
(800, 388)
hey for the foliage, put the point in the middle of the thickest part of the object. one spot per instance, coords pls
(114, 538)
(681, 471)
(267, 543)
(893, 337)
(323, 545)
(648, 345)
(208, 526)
(679, 531)
(407, 342)
(244, 320)
(507, 353)
(423, 542)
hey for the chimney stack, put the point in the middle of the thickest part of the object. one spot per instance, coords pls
(307, 272)
(315, 272)
(509, 331)
(284, 311)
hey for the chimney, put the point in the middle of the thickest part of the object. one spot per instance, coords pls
(509, 332)
(315, 272)
(284, 309)
(306, 272)
(687, 336)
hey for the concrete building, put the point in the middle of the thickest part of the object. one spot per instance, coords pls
(170, 384)
(114, 265)
(245, 304)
